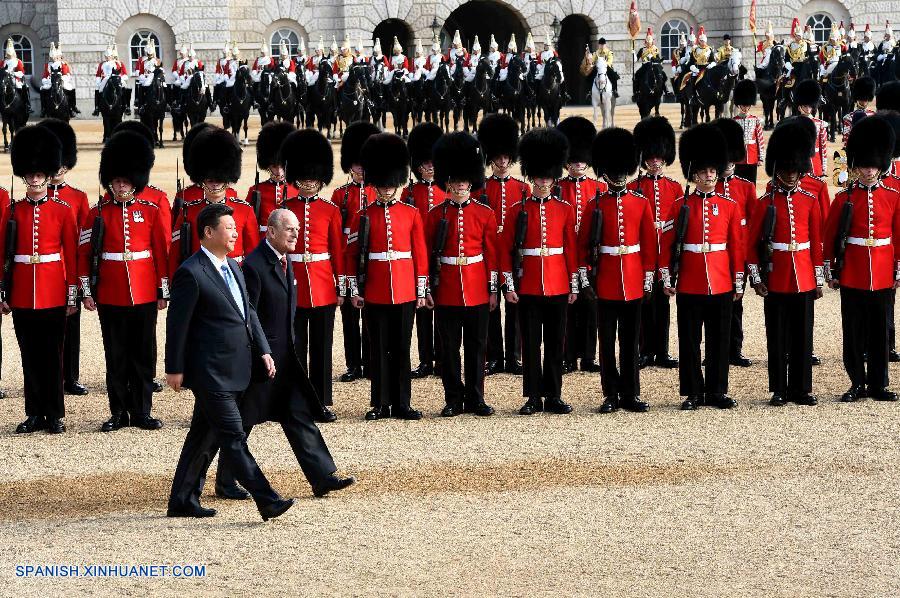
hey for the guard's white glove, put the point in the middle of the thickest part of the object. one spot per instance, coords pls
(881, 57)
(843, 176)
(694, 69)
(710, 65)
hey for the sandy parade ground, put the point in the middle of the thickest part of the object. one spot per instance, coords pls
(762, 501)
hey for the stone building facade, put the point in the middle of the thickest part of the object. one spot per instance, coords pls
(84, 28)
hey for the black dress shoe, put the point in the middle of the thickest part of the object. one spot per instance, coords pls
(351, 375)
(407, 413)
(805, 399)
(232, 493)
(644, 361)
(610, 405)
(814, 359)
(76, 389)
(720, 401)
(424, 370)
(531, 407)
(325, 416)
(483, 410)
(157, 386)
(31, 424)
(196, 511)
(115, 422)
(493, 367)
(589, 366)
(332, 484)
(691, 403)
(378, 413)
(55, 425)
(881, 394)
(740, 361)
(569, 367)
(557, 405)
(450, 411)
(2, 394)
(514, 368)
(437, 369)
(777, 400)
(634, 404)
(893, 356)
(146, 422)
(853, 394)
(276, 509)
(666, 361)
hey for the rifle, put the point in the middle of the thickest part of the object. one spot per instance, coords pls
(840, 241)
(765, 242)
(363, 240)
(681, 224)
(11, 234)
(257, 196)
(344, 204)
(409, 193)
(185, 233)
(179, 192)
(596, 238)
(438, 250)
(97, 232)
(519, 242)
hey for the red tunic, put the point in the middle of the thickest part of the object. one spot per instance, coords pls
(271, 197)
(819, 189)
(472, 235)
(63, 70)
(347, 199)
(133, 261)
(425, 196)
(502, 192)
(579, 192)
(847, 121)
(75, 198)
(318, 260)
(754, 142)
(820, 157)
(157, 197)
(244, 219)
(662, 192)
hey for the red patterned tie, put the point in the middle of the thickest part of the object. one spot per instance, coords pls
(284, 264)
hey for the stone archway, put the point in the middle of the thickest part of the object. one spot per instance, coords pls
(139, 26)
(482, 18)
(388, 29)
(577, 32)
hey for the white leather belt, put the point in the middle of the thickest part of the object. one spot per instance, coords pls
(390, 256)
(619, 249)
(37, 258)
(861, 241)
(542, 251)
(790, 246)
(126, 256)
(704, 247)
(463, 260)
(309, 257)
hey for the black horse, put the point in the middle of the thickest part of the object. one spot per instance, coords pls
(13, 112)
(239, 105)
(440, 102)
(767, 84)
(380, 103)
(301, 99)
(153, 114)
(480, 95)
(57, 103)
(712, 91)
(649, 84)
(683, 88)
(283, 100)
(801, 71)
(322, 100)
(354, 103)
(549, 92)
(512, 94)
(196, 101)
(112, 104)
(398, 100)
(416, 92)
(457, 94)
(836, 93)
(529, 97)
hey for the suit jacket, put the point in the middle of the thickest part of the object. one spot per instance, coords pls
(273, 296)
(207, 339)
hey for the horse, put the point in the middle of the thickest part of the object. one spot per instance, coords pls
(354, 102)
(767, 84)
(282, 101)
(479, 96)
(440, 101)
(836, 93)
(112, 104)
(529, 97)
(263, 99)
(196, 103)
(153, 114)
(601, 95)
(683, 88)
(713, 87)
(301, 99)
(889, 69)
(416, 92)
(549, 92)
(379, 100)
(57, 102)
(322, 100)
(398, 100)
(239, 105)
(13, 112)
(649, 84)
(457, 96)
(512, 94)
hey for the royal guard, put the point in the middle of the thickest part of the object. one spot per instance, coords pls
(237, 63)
(77, 200)
(861, 249)
(262, 62)
(188, 68)
(213, 164)
(378, 58)
(123, 268)
(419, 62)
(892, 181)
(655, 139)
(461, 235)
(607, 55)
(456, 52)
(399, 63)
(702, 259)
(545, 56)
(15, 67)
(179, 60)
(887, 45)
(754, 144)
(40, 286)
(796, 50)
(56, 64)
(511, 53)
(222, 75)
(361, 57)
(784, 265)
(341, 67)
(4, 208)
(193, 191)
(617, 261)
(472, 61)
(702, 54)
(109, 66)
(809, 182)
(318, 260)
(425, 194)
(807, 96)
(286, 62)
(529, 54)
(151, 193)
(267, 196)
(350, 198)
(863, 95)
(830, 54)
(764, 48)
(147, 66)
(387, 272)
(868, 46)
(579, 190)
(300, 59)
(312, 64)
(540, 269)
(494, 56)
(499, 135)
(434, 60)
(723, 54)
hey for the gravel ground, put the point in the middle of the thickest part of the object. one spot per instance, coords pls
(798, 501)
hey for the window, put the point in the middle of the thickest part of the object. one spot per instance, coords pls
(669, 35)
(24, 51)
(136, 46)
(820, 23)
(289, 36)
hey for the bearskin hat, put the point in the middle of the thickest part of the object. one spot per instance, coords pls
(421, 144)
(137, 126)
(614, 153)
(580, 132)
(215, 155)
(804, 124)
(307, 155)
(543, 153)
(188, 141)
(871, 144)
(893, 119)
(864, 89)
(655, 138)
(270, 138)
(66, 135)
(702, 146)
(788, 149)
(458, 157)
(351, 144)
(888, 97)
(127, 155)
(745, 93)
(385, 160)
(498, 135)
(35, 149)
(734, 138)
(807, 93)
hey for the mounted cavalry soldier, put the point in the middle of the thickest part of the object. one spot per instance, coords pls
(723, 54)
(188, 68)
(797, 50)
(505, 59)
(494, 54)
(286, 62)
(590, 61)
(702, 55)
(545, 57)
(764, 48)
(16, 68)
(433, 61)
(829, 55)
(455, 53)
(528, 53)
(58, 65)
(342, 64)
(378, 59)
(111, 64)
(147, 66)
(471, 63)
(300, 59)
(179, 60)
(312, 63)
(419, 62)
(221, 76)
(648, 56)
(399, 63)
(679, 56)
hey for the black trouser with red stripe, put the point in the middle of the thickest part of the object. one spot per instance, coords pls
(698, 314)
(314, 337)
(656, 319)
(581, 330)
(466, 327)
(72, 348)
(623, 317)
(390, 334)
(356, 343)
(864, 321)
(542, 316)
(789, 331)
(41, 334)
(129, 343)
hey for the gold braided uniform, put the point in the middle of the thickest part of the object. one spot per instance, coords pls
(723, 54)
(796, 51)
(701, 56)
(646, 54)
(591, 61)
(344, 63)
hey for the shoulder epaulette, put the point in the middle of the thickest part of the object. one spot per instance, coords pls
(481, 203)
(324, 200)
(154, 187)
(805, 192)
(740, 178)
(144, 202)
(560, 199)
(238, 200)
(668, 178)
(60, 201)
(637, 193)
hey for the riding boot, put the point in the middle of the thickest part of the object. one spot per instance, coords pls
(73, 103)
(127, 101)
(44, 93)
(96, 111)
(614, 79)
(26, 97)
(138, 100)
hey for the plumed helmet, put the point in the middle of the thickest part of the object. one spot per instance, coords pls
(126, 155)
(864, 89)
(136, 126)
(215, 156)
(702, 146)
(421, 143)
(580, 132)
(745, 93)
(789, 149)
(543, 152)
(458, 157)
(307, 156)
(189, 138)
(871, 144)
(734, 138)
(499, 136)
(614, 153)
(807, 93)
(655, 138)
(66, 135)
(35, 149)
(269, 140)
(385, 160)
(354, 137)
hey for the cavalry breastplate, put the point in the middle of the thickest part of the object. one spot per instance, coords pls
(797, 52)
(701, 55)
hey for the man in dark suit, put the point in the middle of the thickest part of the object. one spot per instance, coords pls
(213, 336)
(289, 398)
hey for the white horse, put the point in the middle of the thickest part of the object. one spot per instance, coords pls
(602, 96)
(734, 69)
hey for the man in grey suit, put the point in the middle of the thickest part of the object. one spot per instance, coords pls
(213, 337)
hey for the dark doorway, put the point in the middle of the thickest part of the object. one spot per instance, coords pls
(576, 33)
(385, 32)
(482, 18)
